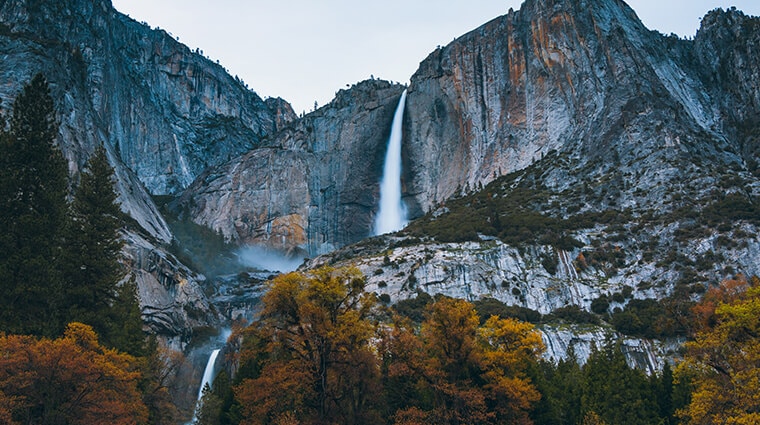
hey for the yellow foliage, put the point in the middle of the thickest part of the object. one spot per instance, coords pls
(724, 363)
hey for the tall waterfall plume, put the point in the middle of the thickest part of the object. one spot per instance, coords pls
(392, 213)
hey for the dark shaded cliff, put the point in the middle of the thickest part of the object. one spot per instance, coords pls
(163, 113)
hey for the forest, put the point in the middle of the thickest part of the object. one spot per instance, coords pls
(326, 351)
(323, 350)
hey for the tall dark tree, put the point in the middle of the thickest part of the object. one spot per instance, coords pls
(33, 212)
(92, 270)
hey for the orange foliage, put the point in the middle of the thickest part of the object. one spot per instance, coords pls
(723, 361)
(728, 290)
(474, 374)
(70, 380)
(312, 351)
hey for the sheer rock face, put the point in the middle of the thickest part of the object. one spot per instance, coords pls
(168, 112)
(584, 77)
(311, 188)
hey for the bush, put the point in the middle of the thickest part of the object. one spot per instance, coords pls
(574, 314)
(600, 305)
(488, 307)
(414, 308)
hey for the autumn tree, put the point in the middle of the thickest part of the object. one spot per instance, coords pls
(33, 213)
(69, 380)
(723, 360)
(462, 372)
(313, 360)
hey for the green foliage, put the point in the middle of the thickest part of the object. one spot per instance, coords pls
(487, 307)
(59, 263)
(606, 257)
(197, 246)
(652, 318)
(507, 208)
(608, 387)
(574, 314)
(600, 305)
(617, 393)
(414, 308)
(90, 262)
(561, 388)
(33, 212)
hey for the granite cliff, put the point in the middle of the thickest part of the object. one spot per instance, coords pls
(312, 187)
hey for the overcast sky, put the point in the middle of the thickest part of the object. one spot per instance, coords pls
(306, 50)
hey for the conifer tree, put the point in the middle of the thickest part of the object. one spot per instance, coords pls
(33, 208)
(92, 269)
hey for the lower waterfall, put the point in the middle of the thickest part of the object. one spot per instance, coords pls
(208, 379)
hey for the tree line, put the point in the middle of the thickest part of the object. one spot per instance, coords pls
(324, 351)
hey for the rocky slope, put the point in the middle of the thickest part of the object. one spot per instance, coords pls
(168, 111)
(555, 156)
(582, 77)
(621, 161)
(635, 116)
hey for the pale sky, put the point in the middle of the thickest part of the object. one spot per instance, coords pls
(306, 50)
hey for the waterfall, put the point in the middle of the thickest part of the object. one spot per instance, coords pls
(208, 377)
(208, 374)
(392, 213)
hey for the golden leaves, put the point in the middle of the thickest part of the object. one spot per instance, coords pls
(72, 379)
(723, 360)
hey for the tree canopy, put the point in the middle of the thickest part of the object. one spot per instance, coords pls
(723, 361)
(33, 214)
(69, 380)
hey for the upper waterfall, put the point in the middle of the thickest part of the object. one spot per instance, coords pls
(392, 213)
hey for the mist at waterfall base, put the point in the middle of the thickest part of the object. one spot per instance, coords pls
(260, 258)
(391, 215)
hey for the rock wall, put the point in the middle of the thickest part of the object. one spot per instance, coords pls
(169, 112)
(171, 298)
(555, 75)
(313, 187)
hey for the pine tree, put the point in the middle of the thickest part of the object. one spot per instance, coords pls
(33, 208)
(92, 269)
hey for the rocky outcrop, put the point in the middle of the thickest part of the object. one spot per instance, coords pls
(586, 79)
(313, 187)
(163, 113)
(726, 49)
(171, 297)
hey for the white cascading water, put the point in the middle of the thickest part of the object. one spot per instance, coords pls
(392, 213)
(208, 376)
